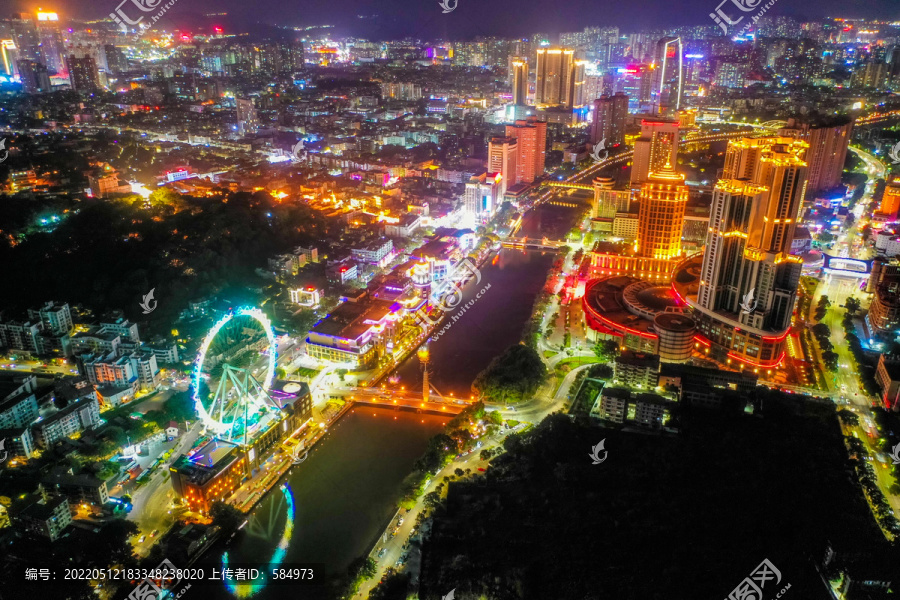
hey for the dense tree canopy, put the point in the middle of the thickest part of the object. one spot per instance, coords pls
(513, 376)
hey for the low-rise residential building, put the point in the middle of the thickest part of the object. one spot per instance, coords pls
(636, 370)
(17, 442)
(81, 415)
(612, 404)
(404, 227)
(18, 402)
(46, 518)
(18, 410)
(307, 296)
(342, 272)
(78, 488)
(619, 405)
(376, 252)
(651, 410)
(47, 331)
(137, 370)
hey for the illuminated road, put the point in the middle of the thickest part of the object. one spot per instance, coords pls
(845, 382)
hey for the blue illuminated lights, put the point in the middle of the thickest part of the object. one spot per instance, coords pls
(246, 590)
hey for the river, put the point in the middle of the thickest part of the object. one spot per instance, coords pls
(496, 320)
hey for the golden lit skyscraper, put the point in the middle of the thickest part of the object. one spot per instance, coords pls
(520, 81)
(745, 286)
(559, 78)
(661, 214)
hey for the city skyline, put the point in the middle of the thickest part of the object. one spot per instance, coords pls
(353, 17)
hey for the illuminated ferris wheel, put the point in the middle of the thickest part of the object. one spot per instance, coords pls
(229, 397)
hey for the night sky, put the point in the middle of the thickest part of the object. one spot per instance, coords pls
(423, 18)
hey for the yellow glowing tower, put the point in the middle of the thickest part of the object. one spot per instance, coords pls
(661, 214)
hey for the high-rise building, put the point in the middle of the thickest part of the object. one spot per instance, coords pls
(531, 134)
(890, 202)
(828, 140)
(668, 74)
(10, 56)
(51, 40)
(519, 78)
(502, 158)
(115, 59)
(744, 287)
(657, 146)
(609, 201)
(26, 38)
(609, 119)
(247, 117)
(483, 196)
(83, 73)
(34, 76)
(559, 79)
(663, 198)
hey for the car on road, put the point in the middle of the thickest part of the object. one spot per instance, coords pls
(141, 541)
(400, 521)
(381, 552)
(154, 532)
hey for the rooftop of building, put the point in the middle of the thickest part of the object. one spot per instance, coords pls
(14, 399)
(638, 359)
(43, 510)
(616, 392)
(350, 320)
(211, 459)
(72, 407)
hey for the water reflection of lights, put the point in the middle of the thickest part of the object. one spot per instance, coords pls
(245, 590)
